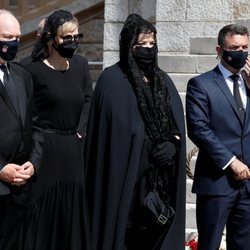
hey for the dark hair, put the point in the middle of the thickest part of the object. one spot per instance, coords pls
(231, 29)
(51, 25)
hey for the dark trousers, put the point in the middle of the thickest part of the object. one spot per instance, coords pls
(150, 238)
(11, 215)
(215, 212)
(4, 203)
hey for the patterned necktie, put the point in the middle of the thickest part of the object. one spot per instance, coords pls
(237, 97)
(9, 86)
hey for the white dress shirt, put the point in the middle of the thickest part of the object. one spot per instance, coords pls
(1, 74)
(242, 88)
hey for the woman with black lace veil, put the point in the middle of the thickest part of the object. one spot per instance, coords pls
(135, 150)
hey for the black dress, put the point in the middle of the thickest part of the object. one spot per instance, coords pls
(56, 216)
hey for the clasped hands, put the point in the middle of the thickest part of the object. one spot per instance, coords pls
(240, 170)
(17, 174)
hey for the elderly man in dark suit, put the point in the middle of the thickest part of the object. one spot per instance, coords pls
(218, 120)
(20, 137)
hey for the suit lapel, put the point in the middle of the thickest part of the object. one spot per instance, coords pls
(220, 81)
(21, 95)
(21, 113)
(7, 100)
(247, 121)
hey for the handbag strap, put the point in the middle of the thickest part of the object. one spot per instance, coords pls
(155, 175)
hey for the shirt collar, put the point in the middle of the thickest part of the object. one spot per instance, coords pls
(7, 66)
(226, 73)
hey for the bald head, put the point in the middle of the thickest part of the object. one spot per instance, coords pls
(9, 26)
(9, 35)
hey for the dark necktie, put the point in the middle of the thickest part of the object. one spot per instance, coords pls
(9, 86)
(237, 97)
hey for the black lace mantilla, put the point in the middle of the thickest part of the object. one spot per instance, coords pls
(153, 100)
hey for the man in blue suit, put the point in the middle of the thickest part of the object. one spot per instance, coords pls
(218, 122)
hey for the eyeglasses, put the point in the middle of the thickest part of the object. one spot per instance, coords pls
(68, 38)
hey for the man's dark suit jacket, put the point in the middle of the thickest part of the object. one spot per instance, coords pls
(20, 135)
(214, 126)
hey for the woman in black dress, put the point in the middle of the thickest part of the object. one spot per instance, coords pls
(56, 216)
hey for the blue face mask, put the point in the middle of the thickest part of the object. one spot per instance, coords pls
(235, 59)
(8, 49)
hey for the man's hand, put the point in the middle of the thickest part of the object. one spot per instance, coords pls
(28, 168)
(240, 170)
(246, 73)
(13, 173)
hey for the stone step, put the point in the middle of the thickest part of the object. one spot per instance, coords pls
(190, 197)
(244, 22)
(203, 45)
(192, 152)
(181, 79)
(191, 64)
(190, 232)
(207, 45)
(190, 216)
(190, 206)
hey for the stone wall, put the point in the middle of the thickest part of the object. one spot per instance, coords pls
(176, 20)
(116, 11)
(180, 20)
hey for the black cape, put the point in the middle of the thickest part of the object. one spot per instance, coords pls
(114, 146)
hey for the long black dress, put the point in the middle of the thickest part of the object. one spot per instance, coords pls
(57, 211)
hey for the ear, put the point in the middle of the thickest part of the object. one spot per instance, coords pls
(219, 51)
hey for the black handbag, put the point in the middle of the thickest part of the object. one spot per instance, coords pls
(158, 212)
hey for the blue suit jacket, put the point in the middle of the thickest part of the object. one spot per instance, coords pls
(214, 126)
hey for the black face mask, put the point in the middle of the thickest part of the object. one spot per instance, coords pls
(235, 59)
(66, 50)
(8, 49)
(145, 56)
